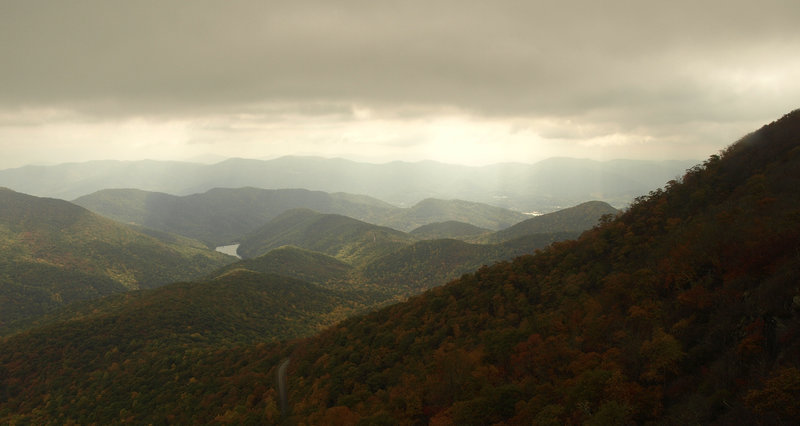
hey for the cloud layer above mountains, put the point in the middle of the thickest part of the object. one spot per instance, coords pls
(459, 81)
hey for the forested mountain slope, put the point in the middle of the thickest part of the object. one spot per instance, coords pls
(682, 310)
(53, 253)
(414, 268)
(142, 347)
(294, 262)
(449, 229)
(345, 238)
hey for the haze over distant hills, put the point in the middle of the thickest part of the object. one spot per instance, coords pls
(683, 309)
(220, 216)
(223, 215)
(544, 186)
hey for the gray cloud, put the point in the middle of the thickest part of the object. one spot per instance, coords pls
(486, 56)
(617, 65)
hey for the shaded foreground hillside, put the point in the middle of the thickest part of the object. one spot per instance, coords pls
(685, 309)
(142, 347)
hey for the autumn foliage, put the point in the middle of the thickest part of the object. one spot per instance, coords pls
(684, 309)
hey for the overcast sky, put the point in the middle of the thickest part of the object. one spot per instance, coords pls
(472, 82)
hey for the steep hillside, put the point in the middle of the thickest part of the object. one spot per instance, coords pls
(449, 229)
(528, 244)
(54, 253)
(220, 216)
(342, 237)
(237, 307)
(431, 263)
(573, 219)
(141, 347)
(426, 264)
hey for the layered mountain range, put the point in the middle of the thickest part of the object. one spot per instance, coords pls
(682, 309)
(222, 216)
(545, 186)
(56, 252)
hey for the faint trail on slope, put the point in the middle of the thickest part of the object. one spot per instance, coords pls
(282, 387)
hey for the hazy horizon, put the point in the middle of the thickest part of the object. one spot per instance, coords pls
(463, 82)
(216, 160)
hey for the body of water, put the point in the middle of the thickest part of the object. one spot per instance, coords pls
(231, 250)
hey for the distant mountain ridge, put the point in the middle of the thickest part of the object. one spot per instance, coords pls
(431, 210)
(222, 215)
(544, 186)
